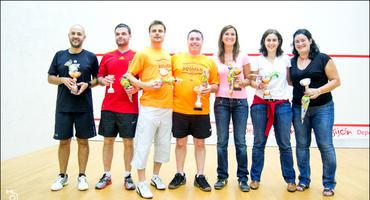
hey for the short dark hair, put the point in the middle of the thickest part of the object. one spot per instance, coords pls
(195, 31)
(157, 22)
(122, 25)
(314, 49)
(263, 49)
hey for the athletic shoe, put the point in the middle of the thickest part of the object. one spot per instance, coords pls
(129, 183)
(103, 182)
(177, 181)
(143, 190)
(82, 183)
(201, 182)
(157, 183)
(60, 182)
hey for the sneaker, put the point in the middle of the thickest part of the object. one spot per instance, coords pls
(220, 183)
(291, 187)
(201, 183)
(177, 181)
(143, 190)
(244, 187)
(82, 183)
(129, 183)
(254, 185)
(60, 182)
(103, 182)
(157, 183)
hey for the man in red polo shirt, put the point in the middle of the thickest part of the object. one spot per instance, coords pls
(119, 113)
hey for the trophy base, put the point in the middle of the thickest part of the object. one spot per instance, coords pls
(200, 109)
(237, 89)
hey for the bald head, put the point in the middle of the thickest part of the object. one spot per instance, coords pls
(77, 27)
(76, 35)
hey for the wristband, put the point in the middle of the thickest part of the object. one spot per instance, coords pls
(89, 84)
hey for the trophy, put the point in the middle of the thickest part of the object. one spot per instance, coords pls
(232, 78)
(74, 74)
(164, 79)
(305, 99)
(265, 78)
(197, 89)
(126, 84)
(110, 89)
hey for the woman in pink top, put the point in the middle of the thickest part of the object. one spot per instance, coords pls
(231, 102)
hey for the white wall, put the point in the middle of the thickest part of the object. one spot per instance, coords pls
(31, 33)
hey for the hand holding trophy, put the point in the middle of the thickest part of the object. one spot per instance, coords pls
(74, 74)
(305, 99)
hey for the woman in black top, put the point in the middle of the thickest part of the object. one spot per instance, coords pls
(308, 62)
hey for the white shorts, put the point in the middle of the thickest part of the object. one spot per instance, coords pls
(152, 123)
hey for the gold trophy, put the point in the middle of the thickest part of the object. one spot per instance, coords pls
(74, 74)
(197, 89)
(126, 84)
(305, 99)
(232, 78)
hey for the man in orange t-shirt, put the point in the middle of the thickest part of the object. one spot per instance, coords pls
(152, 65)
(191, 106)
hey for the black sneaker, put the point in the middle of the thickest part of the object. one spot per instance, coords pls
(243, 185)
(220, 183)
(177, 181)
(202, 183)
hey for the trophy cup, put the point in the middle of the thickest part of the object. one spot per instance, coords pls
(265, 78)
(126, 84)
(233, 79)
(305, 99)
(110, 89)
(74, 74)
(197, 89)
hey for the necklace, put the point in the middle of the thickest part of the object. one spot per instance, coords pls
(303, 63)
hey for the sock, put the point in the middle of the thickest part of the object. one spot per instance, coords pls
(62, 175)
(107, 173)
(81, 174)
(155, 176)
(126, 174)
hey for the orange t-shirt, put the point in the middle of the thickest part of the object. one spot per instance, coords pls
(191, 69)
(146, 65)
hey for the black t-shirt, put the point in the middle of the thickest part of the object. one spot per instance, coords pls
(88, 66)
(316, 72)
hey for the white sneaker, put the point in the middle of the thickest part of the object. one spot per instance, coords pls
(143, 190)
(157, 183)
(59, 183)
(82, 183)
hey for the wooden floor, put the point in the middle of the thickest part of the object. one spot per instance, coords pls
(30, 176)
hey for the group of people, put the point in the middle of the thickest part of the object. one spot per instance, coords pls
(175, 102)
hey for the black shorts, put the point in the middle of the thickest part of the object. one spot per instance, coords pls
(83, 121)
(199, 126)
(112, 123)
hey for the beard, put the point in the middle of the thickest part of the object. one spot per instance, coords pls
(75, 45)
(122, 44)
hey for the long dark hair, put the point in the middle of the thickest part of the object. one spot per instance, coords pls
(314, 49)
(263, 49)
(221, 45)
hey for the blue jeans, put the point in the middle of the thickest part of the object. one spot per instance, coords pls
(321, 120)
(237, 109)
(282, 125)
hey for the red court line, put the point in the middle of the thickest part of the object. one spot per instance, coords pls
(258, 54)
